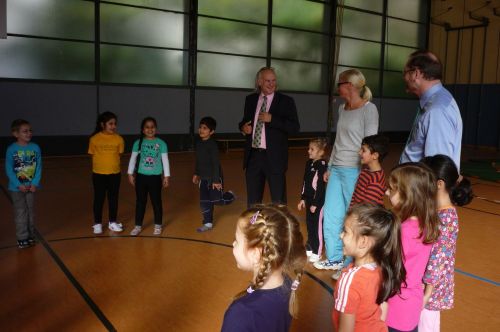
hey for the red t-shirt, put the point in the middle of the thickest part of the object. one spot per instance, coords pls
(356, 293)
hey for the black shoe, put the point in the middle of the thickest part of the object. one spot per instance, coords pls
(31, 240)
(21, 244)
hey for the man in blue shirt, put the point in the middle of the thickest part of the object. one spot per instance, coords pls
(438, 125)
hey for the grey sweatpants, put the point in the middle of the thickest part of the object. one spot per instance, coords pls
(24, 214)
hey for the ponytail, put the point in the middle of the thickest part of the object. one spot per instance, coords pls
(461, 193)
(365, 93)
(387, 250)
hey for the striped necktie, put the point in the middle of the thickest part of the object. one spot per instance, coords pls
(257, 137)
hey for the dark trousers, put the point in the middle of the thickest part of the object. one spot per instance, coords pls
(257, 172)
(395, 330)
(144, 185)
(313, 223)
(106, 184)
(210, 197)
(24, 215)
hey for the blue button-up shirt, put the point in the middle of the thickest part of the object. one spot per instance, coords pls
(438, 129)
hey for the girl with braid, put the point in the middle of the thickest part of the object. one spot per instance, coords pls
(269, 244)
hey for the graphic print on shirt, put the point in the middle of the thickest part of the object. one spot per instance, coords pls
(150, 155)
(24, 165)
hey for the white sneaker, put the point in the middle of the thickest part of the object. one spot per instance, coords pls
(157, 230)
(337, 275)
(136, 231)
(115, 227)
(97, 228)
(313, 258)
(309, 253)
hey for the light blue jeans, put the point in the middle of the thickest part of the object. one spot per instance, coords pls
(339, 191)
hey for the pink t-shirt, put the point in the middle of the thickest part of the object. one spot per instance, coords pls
(269, 100)
(404, 309)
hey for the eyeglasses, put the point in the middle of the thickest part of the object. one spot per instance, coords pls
(408, 71)
(341, 83)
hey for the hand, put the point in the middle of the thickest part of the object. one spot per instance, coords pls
(131, 179)
(326, 175)
(265, 117)
(24, 189)
(217, 186)
(196, 179)
(165, 181)
(246, 129)
(32, 188)
(312, 209)
(301, 205)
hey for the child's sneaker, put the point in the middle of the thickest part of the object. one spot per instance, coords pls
(115, 227)
(329, 265)
(309, 253)
(313, 258)
(204, 228)
(31, 241)
(136, 231)
(21, 244)
(157, 230)
(97, 228)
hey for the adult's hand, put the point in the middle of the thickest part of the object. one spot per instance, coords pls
(246, 129)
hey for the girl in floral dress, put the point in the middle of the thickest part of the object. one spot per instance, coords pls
(439, 274)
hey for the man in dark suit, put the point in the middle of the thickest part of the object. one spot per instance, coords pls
(269, 118)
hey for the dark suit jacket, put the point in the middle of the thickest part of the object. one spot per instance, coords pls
(284, 122)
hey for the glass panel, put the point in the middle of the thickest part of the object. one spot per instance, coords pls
(245, 10)
(227, 70)
(361, 25)
(374, 5)
(371, 76)
(51, 18)
(46, 59)
(311, 17)
(299, 45)
(394, 85)
(405, 33)
(178, 5)
(231, 37)
(129, 25)
(299, 76)
(395, 57)
(415, 10)
(122, 64)
(359, 53)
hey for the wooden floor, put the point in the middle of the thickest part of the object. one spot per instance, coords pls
(182, 280)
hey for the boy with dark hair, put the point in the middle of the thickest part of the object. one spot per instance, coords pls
(371, 186)
(208, 174)
(23, 166)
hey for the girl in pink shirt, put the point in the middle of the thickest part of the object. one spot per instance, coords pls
(412, 192)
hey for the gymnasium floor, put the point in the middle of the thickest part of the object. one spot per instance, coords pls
(183, 281)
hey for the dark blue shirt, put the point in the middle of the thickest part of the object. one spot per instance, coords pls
(264, 310)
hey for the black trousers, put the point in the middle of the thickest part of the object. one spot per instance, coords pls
(144, 185)
(210, 197)
(257, 172)
(313, 225)
(106, 184)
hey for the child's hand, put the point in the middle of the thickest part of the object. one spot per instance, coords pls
(301, 205)
(326, 175)
(165, 181)
(24, 189)
(32, 188)
(131, 179)
(217, 186)
(312, 209)
(196, 179)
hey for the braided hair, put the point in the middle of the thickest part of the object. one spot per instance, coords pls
(276, 232)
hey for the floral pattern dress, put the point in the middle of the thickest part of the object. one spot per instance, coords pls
(440, 269)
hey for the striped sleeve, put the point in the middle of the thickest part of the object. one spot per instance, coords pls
(370, 188)
(347, 295)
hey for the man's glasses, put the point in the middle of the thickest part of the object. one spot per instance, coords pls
(407, 71)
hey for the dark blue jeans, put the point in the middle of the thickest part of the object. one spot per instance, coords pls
(210, 197)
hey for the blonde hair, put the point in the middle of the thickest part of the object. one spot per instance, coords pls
(358, 80)
(320, 142)
(416, 185)
(276, 232)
